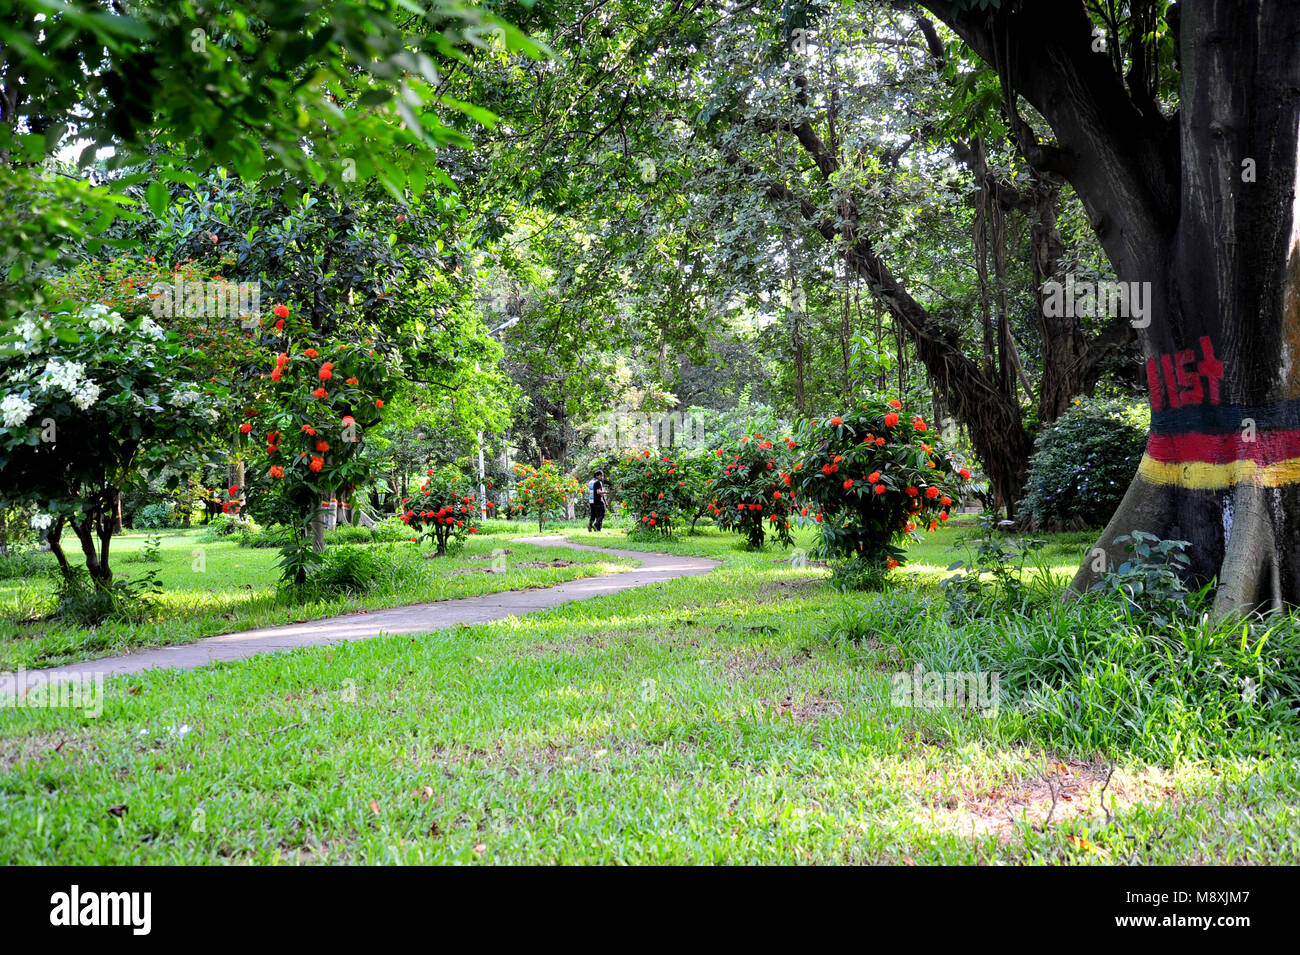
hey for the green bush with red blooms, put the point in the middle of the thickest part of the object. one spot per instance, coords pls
(753, 491)
(543, 492)
(318, 401)
(870, 480)
(444, 510)
(656, 491)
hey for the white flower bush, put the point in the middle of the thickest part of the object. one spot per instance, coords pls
(15, 409)
(88, 401)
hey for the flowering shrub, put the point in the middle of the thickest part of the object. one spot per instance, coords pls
(754, 490)
(655, 492)
(1083, 463)
(869, 480)
(443, 510)
(319, 401)
(542, 491)
(88, 400)
(228, 346)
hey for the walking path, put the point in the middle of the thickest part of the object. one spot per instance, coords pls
(413, 618)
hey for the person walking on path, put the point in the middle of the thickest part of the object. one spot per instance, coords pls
(597, 496)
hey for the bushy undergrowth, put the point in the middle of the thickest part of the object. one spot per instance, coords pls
(1083, 463)
(27, 562)
(126, 599)
(1136, 665)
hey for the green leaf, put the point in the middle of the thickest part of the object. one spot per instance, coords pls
(157, 197)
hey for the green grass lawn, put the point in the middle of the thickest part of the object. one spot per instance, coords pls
(212, 587)
(721, 718)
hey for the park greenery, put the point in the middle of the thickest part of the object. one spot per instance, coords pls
(322, 308)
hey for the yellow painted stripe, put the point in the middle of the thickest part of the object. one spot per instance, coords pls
(1204, 476)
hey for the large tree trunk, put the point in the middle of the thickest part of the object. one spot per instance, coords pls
(1223, 462)
(1212, 220)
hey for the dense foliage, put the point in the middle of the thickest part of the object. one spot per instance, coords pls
(871, 478)
(1083, 463)
(753, 490)
(653, 491)
(543, 492)
(444, 511)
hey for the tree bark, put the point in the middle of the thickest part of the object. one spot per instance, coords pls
(1205, 206)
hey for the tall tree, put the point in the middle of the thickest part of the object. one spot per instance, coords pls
(1193, 190)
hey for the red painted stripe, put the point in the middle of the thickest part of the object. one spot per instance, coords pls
(1268, 447)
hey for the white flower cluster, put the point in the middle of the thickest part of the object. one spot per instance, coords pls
(152, 329)
(41, 521)
(31, 329)
(103, 319)
(15, 410)
(71, 377)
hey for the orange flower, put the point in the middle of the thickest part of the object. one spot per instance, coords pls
(837, 420)
(932, 492)
(896, 404)
(891, 419)
(281, 311)
(891, 564)
(277, 471)
(873, 477)
(319, 393)
(880, 489)
(919, 424)
(311, 353)
(965, 474)
(317, 463)
(847, 485)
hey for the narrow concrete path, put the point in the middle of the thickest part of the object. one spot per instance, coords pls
(413, 618)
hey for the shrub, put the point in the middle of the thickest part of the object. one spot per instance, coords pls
(753, 489)
(220, 527)
(653, 492)
(150, 553)
(349, 534)
(445, 510)
(347, 570)
(159, 514)
(1083, 463)
(1152, 583)
(991, 581)
(543, 491)
(390, 530)
(868, 480)
(24, 563)
(87, 603)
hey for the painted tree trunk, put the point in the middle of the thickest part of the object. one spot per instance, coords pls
(1204, 205)
(1222, 353)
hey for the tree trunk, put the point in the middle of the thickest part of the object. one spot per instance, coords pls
(1206, 207)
